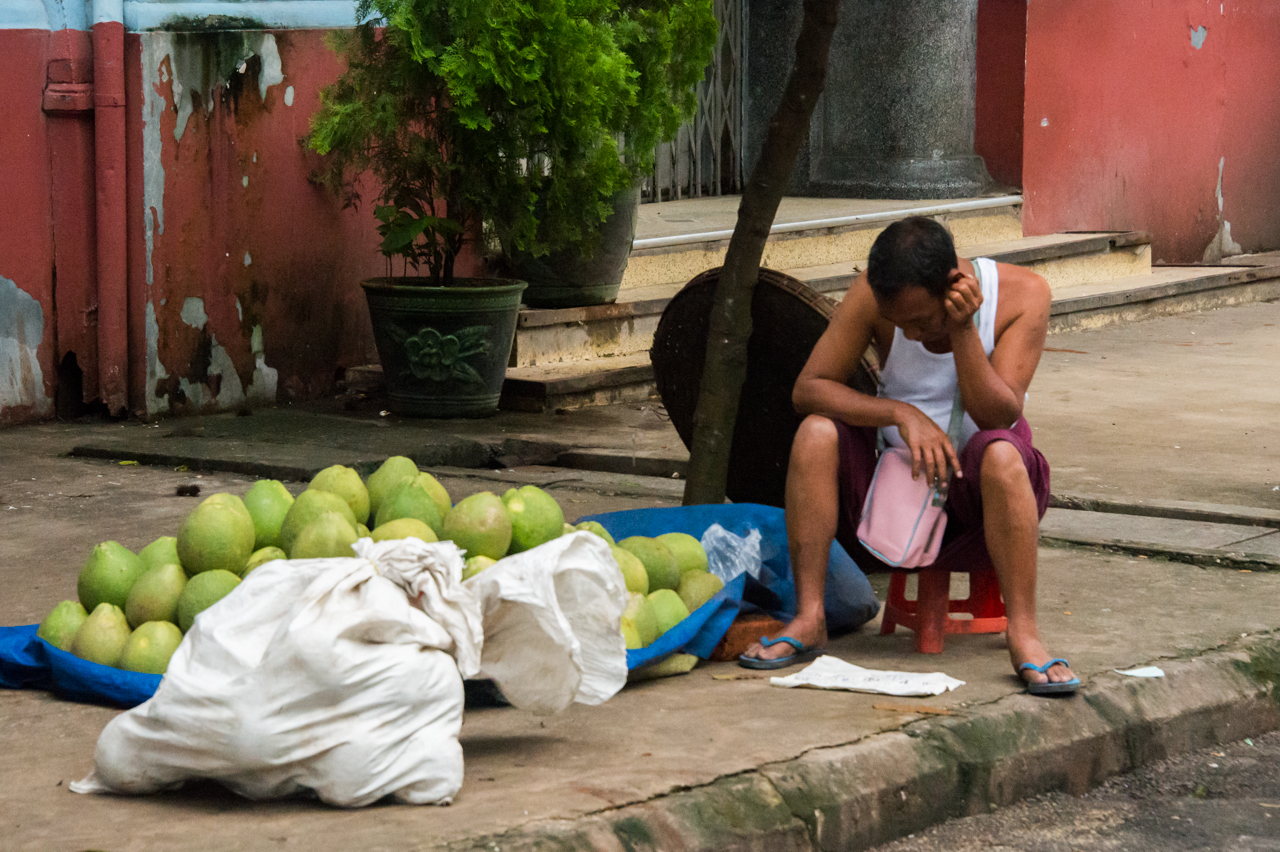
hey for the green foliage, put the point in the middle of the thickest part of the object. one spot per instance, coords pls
(506, 114)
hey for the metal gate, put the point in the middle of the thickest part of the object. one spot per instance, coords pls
(705, 158)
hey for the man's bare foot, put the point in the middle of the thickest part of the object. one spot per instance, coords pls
(813, 633)
(1029, 649)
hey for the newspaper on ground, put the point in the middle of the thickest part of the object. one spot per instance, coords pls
(828, 672)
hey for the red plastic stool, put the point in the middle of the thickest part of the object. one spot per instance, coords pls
(928, 615)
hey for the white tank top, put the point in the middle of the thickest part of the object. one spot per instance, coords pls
(928, 380)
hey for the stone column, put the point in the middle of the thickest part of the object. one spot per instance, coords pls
(896, 118)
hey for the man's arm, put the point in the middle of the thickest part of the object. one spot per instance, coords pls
(822, 387)
(994, 389)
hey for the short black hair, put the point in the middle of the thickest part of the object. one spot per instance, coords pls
(916, 251)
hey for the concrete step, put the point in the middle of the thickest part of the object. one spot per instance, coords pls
(578, 384)
(675, 240)
(1163, 291)
(625, 330)
(627, 326)
(1063, 259)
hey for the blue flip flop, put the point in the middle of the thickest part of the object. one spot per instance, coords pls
(803, 654)
(1065, 687)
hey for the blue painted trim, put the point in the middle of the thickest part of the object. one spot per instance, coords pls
(271, 14)
(24, 15)
(141, 15)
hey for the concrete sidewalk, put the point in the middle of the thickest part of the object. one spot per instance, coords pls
(704, 761)
(719, 758)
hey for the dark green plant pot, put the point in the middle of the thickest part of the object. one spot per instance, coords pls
(570, 279)
(444, 350)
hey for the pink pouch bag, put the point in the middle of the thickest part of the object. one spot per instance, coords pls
(903, 519)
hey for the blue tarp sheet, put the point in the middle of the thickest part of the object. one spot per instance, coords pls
(28, 662)
(849, 601)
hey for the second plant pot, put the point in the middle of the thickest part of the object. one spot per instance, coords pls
(572, 279)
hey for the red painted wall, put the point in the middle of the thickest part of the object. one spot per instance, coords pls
(1001, 65)
(26, 214)
(1127, 121)
(307, 254)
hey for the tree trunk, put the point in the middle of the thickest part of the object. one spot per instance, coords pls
(725, 367)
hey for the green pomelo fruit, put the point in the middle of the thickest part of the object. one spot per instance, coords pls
(150, 647)
(108, 575)
(155, 596)
(203, 591)
(404, 528)
(475, 565)
(668, 609)
(676, 664)
(362, 531)
(268, 501)
(232, 502)
(60, 625)
(630, 635)
(633, 573)
(659, 561)
(639, 614)
(439, 495)
(536, 517)
(389, 474)
(327, 536)
(698, 587)
(687, 550)
(595, 527)
(346, 483)
(309, 506)
(262, 557)
(410, 499)
(215, 537)
(162, 551)
(102, 636)
(568, 528)
(480, 525)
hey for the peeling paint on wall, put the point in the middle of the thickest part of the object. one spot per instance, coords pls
(154, 51)
(193, 313)
(1221, 245)
(156, 373)
(1198, 35)
(263, 387)
(198, 64)
(221, 388)
(192, 66)
(21, 332)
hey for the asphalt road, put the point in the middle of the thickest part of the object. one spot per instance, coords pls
(1225, 798)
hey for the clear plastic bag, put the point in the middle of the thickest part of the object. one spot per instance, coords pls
(729, 555)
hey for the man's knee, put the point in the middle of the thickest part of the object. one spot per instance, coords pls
(1002, 465)
(817, 437)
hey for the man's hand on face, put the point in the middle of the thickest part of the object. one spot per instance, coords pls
(931, 450)
(962, 301)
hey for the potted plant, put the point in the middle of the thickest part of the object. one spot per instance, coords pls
(582, 241)
(494, 121)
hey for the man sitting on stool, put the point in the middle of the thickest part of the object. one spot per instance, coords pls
(916, 305)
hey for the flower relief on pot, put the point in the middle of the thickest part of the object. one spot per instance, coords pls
(440, 357)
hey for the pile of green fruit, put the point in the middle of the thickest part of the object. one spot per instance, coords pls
(133, 609)
(667, 577)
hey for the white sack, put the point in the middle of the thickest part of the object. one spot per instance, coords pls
(551, 624)
(338, 676)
